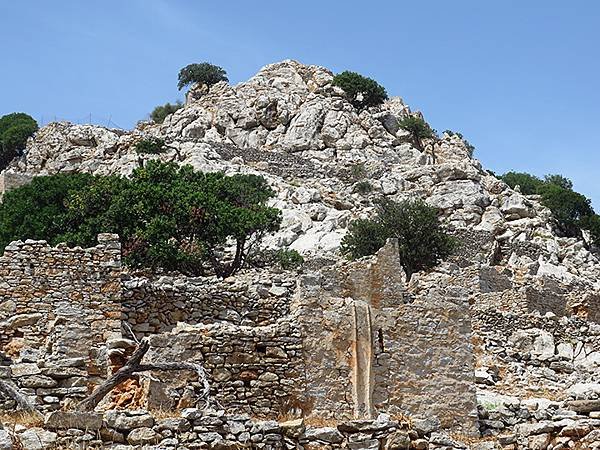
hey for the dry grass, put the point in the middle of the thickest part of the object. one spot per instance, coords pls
(28, 420)
(314, 421)
(160, 413)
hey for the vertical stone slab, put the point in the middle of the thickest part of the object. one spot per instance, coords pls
(372, 347)
(362, 358)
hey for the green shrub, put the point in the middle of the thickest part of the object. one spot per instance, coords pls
(151, 146)
(167, 216)
(363, 187)
(288, 259)
(559, 180)
(421, 240)
(529, 184)
(15, 129)
(160, 113)
(568, 207)
(592, 224)
(358, 171)
(418, 129)
(361, 91)
(571, 210)
(203, 73)
(38, 210)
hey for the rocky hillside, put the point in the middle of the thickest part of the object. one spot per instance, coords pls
(291, 125)
(534, 296)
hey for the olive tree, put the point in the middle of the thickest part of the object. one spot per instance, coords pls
(361, 91)
(15, 129)
(202, 73)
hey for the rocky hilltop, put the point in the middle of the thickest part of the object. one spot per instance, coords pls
(532, 297)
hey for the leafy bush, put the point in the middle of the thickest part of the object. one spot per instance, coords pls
(559, 180)
(38, 210)
(418, 128)
(151, 146)
(363, 187)
(160, 113)
(571, 210)
(203, 73)
(421, 239)
(15, 129)
(568, 207)
(592, 224)
(362, 92)
(358, 171)
(167, 216)
(529, 184)
(288, 259)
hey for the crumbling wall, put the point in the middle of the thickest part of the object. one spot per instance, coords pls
(58, 307)
(156, 305)
(256, 370)
(381, 349)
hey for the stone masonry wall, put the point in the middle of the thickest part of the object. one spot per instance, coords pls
(380, 349)
(58, 307)
(253, 298)
(255, 370)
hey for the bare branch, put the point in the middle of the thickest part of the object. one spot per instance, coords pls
(10, 391)
(133, 367)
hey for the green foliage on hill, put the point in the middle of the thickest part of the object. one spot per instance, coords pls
(167, 216)
(361, 91)
(418, 129)
(203, 73)
(160, 113)
(15, 129)
(572, 211)
(529, 184)
(38, 209)
(150, 146)
(568, 207)
(422, 241)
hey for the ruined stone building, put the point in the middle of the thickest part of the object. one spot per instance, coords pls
(345, 342)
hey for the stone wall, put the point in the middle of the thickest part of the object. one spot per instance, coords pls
(381, 349)
(256, 370)
(58, 307)
(216, 429)
(350, 341)
(252, 298)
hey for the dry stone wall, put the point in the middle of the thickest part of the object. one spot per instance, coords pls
(58, 308)
(253, 298)
(350, 341)
(254, 370)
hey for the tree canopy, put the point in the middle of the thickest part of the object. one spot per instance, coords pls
(571, 210)
(421, 240)
(418, 129)
(167, 216)
(202, 73)
(15, 129)
(361, 91)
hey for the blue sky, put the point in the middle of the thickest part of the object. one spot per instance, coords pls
(518, 78)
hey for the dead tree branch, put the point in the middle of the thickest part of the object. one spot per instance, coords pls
(133, 367)
(10, 391)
